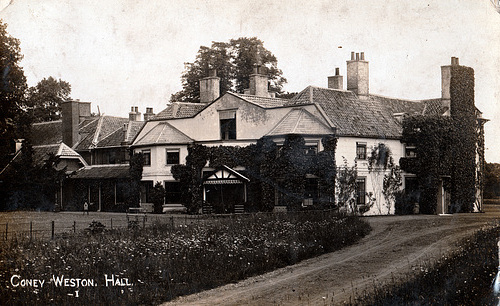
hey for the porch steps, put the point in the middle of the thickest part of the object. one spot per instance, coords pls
(239, 209)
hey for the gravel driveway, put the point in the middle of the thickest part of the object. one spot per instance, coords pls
(396, 245)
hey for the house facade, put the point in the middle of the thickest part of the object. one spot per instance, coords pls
(95, 152)
(360, 120)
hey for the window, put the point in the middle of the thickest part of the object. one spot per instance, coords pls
(173, 193)
(311, 150)
(172, 157)
(147, 157)
(146, 188)
(410, 151)
(361, 191)
(360, 150)
(227, 124)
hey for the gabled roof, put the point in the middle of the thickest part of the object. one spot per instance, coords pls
(264, 102)
(163, 133)
(367, 116)
(179, 110)
(103, 172)
(40, 153)
(300, 121)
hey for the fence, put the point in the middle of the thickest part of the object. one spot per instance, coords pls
(73, 224)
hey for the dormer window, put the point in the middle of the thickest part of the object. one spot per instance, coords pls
(227, 124)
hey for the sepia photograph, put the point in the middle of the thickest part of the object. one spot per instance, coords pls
(218, 152)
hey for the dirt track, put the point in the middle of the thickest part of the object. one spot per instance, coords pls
(396, 245)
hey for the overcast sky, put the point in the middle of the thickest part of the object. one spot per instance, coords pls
(121, 53)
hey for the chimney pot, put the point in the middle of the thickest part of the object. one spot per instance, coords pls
(337, 71)
(131, 108)
(352, 56)
(362, 56)
(357, 56)
(212, 72)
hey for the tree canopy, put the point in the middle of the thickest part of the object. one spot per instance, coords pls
(234, 62)
(44, 100)
(13, 123)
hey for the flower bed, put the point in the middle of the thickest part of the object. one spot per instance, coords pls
(164, 261)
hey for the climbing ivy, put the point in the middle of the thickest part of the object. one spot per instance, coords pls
(446, 147)
(268, 169)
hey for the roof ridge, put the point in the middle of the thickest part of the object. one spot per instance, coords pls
(47, 145)
(47, 122)
(97, 132)
(301, 110)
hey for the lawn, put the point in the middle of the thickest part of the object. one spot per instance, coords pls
(166, 259)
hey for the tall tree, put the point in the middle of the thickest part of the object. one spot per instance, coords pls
(13, 122)
(44, 100)
(234, 62)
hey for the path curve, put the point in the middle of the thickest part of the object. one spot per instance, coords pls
(396, 245)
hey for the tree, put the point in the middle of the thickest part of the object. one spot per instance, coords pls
(158, 197)
(28, 185)
(135, 170)
(14, 123)
(492, 181)
(293, 165)
(44, 100)
(234, 62)
(346, 186)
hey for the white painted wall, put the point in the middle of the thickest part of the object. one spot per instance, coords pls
(346, 147)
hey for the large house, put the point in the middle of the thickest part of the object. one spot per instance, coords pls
(360, 120)
(94, 150)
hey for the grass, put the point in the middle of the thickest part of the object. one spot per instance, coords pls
(462, 278)
(167, 260)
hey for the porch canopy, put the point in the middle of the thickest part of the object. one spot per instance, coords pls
(224, 190)
(224, 176)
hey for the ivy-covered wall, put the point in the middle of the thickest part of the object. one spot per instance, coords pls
(268, 167)
(446, 147)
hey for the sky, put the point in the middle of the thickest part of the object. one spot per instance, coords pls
(122, 53)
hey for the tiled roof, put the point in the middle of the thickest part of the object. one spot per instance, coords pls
(91, 133)
(103, 172)
(46, 133)
(433, 107)
(265, 102)
(368, 116)
(300, 121)
(133, 128)
(40, 153)
(163, 132)
(179, 110)
(112, 140)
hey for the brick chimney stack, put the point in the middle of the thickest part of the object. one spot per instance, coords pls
(259, 81)
(336, 81)
(148, 114)
(210, 87)
(446, 75)
(72, 113)
(357, 74)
